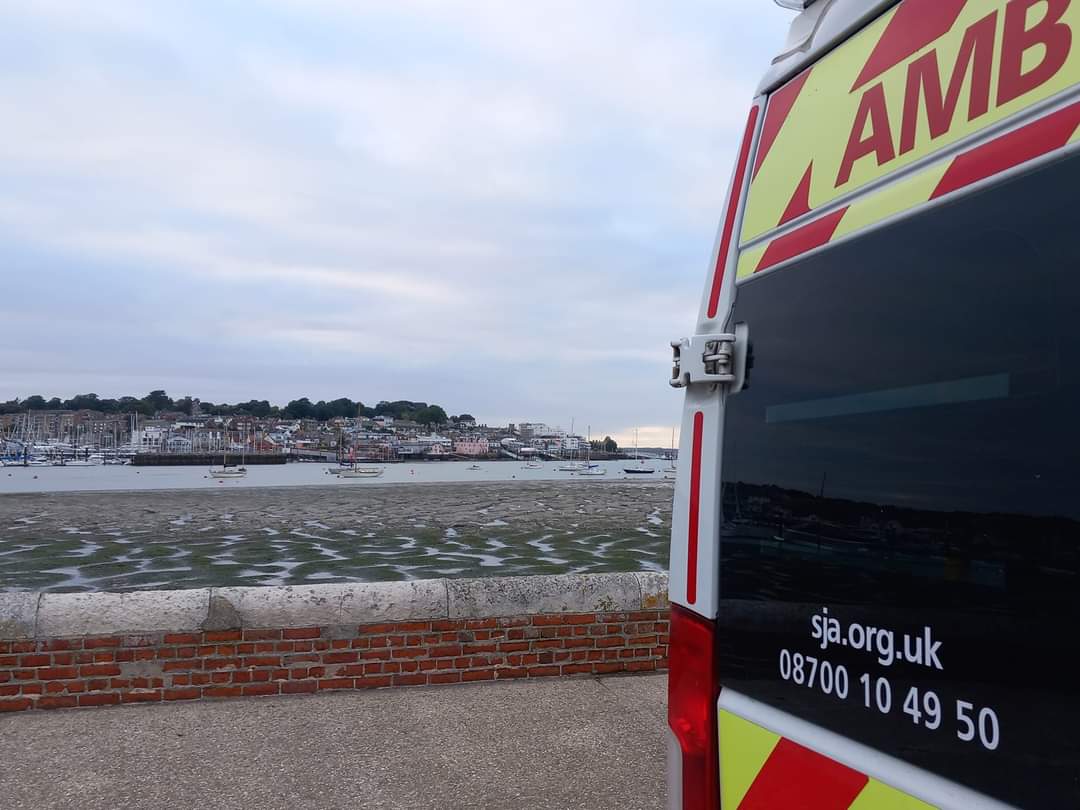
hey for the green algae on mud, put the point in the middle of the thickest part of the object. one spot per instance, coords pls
(138, 540)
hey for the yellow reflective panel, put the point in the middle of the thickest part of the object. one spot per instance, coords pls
(744, 747)
(748, 261)
(959, 83)
(879, 796)
(891, 200)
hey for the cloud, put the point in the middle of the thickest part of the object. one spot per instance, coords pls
(506, 208)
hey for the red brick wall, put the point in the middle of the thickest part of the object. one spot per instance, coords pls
(58, 673)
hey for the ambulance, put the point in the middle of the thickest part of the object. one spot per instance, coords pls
(875, 551)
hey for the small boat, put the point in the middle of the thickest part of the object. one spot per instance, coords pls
(671, 470)
(532, 465)
(360, 472)
(642, 469)
(228, 472)
(474, 467)
(587, 467)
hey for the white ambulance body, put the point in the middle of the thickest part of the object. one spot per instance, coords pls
(875, 550)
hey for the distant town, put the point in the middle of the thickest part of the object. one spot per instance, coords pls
(156, 429)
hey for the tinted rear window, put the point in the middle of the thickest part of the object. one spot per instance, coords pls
(906, 460)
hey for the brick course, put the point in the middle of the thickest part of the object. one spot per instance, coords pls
(57, 673)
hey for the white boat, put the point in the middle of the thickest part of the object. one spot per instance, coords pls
(360, 472)
(474, 467)
(226, 470)
(572, 466)
(532, 465)
(587, 466)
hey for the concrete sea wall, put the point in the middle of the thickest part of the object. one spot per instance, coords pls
(94, 649)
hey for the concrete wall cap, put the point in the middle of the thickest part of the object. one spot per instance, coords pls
(526, 596)
(18, 612)
(378, 602)
(285, 606)
(654, 589)
(45, 615)
(90, 614)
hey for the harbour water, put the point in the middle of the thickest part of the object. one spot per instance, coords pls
(120, 478)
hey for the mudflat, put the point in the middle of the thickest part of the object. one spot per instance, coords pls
(72, 541)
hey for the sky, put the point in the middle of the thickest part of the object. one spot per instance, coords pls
(505, 208)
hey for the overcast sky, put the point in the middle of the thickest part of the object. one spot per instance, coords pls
(506, 208)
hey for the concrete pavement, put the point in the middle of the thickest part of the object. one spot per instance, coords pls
(558, 743)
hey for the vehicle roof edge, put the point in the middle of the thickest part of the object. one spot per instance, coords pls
(815, 32)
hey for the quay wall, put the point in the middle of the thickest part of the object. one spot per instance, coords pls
(72, 650)
(204, 459)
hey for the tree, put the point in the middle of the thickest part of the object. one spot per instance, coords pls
(83, 402)
(431, 415)
(158, 401)
(259, 408)
(133, 405)
(34, 403)
(465, 417)
(608, 445)
(343, 407)
(299, 409)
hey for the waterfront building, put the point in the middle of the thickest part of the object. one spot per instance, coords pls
(472, 446)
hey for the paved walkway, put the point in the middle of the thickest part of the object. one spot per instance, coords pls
(559, 743)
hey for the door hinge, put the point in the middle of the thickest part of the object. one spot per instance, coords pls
(710, 359)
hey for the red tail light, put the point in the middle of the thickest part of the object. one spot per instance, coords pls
(693, 687)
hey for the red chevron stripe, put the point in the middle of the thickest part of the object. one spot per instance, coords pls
(1027, 143)
(780, 104)
(796, 778)
(809, 236)
(915, 25)
(799, 203)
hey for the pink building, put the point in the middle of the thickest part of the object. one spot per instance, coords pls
(472, 447)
